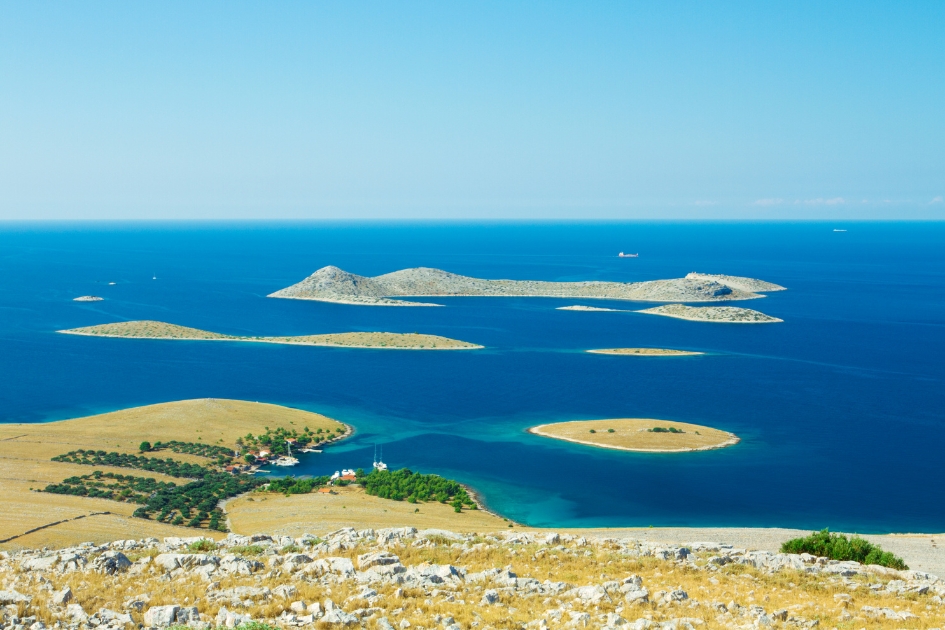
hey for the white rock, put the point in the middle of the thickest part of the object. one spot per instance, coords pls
(76, 613)
(339, 617)
(63, 597)
(13, 597)
(489, 597)
(285, 591)
(161, 616)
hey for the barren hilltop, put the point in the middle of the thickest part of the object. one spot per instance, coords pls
(331, 284)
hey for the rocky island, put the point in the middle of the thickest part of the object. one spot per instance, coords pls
(646, 352)
(643, 435)
(720, 314)
(331, 284)
(737, 282)
(87, 298)
(146, 329)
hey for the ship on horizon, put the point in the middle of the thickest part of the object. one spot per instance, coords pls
(622, 255)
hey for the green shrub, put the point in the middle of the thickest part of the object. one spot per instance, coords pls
(202, 546)
(248, 550)
(592, 431)
(839, 547)
(144, 446)
(610, 430)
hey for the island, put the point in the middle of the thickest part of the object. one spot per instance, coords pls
(578, 307)
(646, 352)
(718, 314)
(644, 435)
(331, 284)
(87, 298)
(146, 329)
(737, 282)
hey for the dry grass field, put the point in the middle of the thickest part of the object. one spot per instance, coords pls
(632, 434)
(319, 514)
(146, 329)
(717, 597)
(646, 352)
(26, 450)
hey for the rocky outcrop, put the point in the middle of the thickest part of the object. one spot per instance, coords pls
(366, 578)
(737, 282)
(331, 284)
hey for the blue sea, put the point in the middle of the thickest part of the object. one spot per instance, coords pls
(841, 408)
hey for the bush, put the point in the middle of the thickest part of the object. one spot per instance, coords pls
(202, 546)
(144, 446)
(592, 431)
(839, 547)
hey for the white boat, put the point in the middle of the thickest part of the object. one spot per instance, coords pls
(378, 464)
(836, 230)
(622, 255)
(284, 461)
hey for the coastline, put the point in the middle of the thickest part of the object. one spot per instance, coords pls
(277, 342)
(394, 302)
(537, 431)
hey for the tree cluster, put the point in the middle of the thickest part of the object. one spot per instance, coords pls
(406, 485)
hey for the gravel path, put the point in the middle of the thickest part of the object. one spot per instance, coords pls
(922, 552)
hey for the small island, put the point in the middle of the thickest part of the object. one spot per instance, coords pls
(146, 329)
(646, 352)
(579, 307)
(87, 298)
(718, 314)
(642, 435)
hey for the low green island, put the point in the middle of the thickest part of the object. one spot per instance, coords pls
(146, 329)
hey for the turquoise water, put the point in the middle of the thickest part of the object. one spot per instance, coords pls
(840, 407)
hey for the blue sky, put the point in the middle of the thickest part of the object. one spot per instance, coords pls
(550, 110)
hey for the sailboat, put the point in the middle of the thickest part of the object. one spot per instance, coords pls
(378, 464)
(286, 460)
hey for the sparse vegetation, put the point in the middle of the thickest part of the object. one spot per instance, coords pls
(839, 547)
(665, 430)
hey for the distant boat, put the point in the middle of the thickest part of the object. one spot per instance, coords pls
(378, 464)
(622, 255)
(154, 277)
(836, 230)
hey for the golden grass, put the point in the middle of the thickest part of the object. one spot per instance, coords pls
(146, 329)
(803, 595)
(319, 513)
(646, 352)
(26, 450)
(631, 434)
